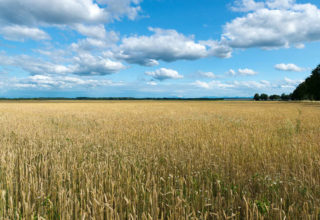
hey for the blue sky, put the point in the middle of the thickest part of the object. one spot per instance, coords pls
(156, 48)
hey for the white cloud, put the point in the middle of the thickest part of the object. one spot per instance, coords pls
(291, 83)
(22, 18)
(94, 31)
(21, 33)
(207, 74)
(254, 86)
(118, 8)
(163, 74)
(212, 84)
(299, 46)
(231, 72)
(33, 66)
(280, 4)
(201, 84)
(152, 83)
(217, 49)
(247, 72)
(87, 64)
(252, 5)
(89, 44)
(57, 82)
(84, 64)
(97, 37)
(280, 23)
(247, 5)
(288, 67)
(40, 12)
(54, 55)
(233, 85)
(243, 72)
(167, 45)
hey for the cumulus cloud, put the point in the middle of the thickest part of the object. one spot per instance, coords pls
(94, 31)
(32, 65)
(243, 72)
(90, 44)
(84, 64)
(217, 49)
(65, 12)
(279, 23)
(22, 33)
(97, 37)
(118, 8)
(167, 45)
(57, 82)
(247, 5)
(87, 64)
(280, 4)
(288, 67)
(39, 12)
(252, 5)
(54, 55)
(163, 74)
(85, 16)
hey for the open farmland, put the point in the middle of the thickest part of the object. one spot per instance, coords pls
(159, 160)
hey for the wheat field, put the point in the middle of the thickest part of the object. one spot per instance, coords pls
(159, 160)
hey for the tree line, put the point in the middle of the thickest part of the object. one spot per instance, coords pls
(265, 97)
(307, 90)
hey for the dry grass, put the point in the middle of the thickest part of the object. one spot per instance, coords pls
(159, 160)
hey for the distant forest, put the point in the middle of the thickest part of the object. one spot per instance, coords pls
(307, 90)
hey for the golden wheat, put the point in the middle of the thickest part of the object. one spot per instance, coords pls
(159, 160)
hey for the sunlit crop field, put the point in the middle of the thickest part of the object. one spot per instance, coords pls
(159, 160)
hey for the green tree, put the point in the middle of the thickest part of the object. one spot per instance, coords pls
(274, 97)
(310, 88)
(256, 97)
(264, 96)
(285, 97)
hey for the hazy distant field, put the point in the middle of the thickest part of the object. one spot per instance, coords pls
(159, 160)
